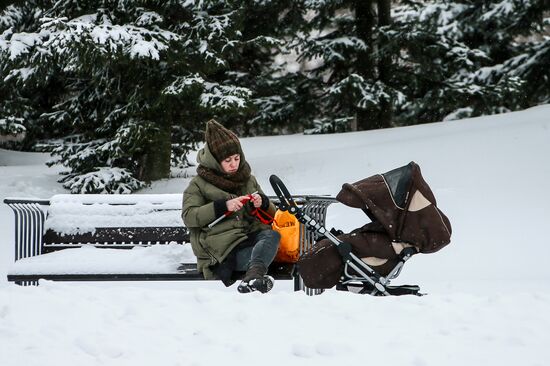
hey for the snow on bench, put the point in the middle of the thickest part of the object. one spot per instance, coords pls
(70, 214)
(155, 259)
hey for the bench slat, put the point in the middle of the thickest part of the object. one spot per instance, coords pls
(122, 235)
(188, 276)
(280, 271)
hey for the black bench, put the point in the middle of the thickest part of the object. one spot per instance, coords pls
(117, 222)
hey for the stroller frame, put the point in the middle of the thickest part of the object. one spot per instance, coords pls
(365, 280)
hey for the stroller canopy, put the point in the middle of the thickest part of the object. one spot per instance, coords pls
(403, 203)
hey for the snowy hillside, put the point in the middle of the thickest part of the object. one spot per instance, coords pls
(488, 290)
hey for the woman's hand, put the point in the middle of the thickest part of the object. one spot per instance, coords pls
(235, 204)
(256, 200)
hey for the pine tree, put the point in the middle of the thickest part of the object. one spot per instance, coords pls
(345, 79)
(130, 83)
(519, 48)
(428, 61)
(267, 26)
(18, 103)
(451, 53)
(127, 85)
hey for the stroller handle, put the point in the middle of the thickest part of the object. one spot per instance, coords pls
(285, 198)
(286, 203)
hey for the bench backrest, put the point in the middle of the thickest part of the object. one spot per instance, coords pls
(113, 220)
(120, 221)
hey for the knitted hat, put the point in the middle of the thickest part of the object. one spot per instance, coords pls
(222, 143)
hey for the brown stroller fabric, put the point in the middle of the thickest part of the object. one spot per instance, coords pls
(402, 209)
(322, 266)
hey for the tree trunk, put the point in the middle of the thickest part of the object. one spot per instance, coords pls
(384, 65)
(365, 22)
(155, 163)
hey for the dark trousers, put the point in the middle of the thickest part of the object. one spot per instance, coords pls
(262, 252)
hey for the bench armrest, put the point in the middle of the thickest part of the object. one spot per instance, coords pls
(29, 225)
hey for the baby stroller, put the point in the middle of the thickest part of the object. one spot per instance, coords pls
(405, 220)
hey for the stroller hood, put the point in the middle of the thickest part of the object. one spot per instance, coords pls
(403, 203)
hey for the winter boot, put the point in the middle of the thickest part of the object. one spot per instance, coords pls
(256, 279)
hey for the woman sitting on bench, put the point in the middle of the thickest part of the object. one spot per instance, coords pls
(221, 206)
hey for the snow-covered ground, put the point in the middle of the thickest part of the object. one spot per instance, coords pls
(489, 290)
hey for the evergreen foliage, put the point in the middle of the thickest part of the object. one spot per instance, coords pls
(123, 79)
(453, 55)
(435, 60)
(266, 27)
(118, 90)
(11, 129)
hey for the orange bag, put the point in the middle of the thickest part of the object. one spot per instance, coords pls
(288, 226)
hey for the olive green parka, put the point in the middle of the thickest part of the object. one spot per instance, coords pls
(213, 245)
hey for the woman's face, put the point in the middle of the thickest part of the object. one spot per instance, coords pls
(230, 165)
